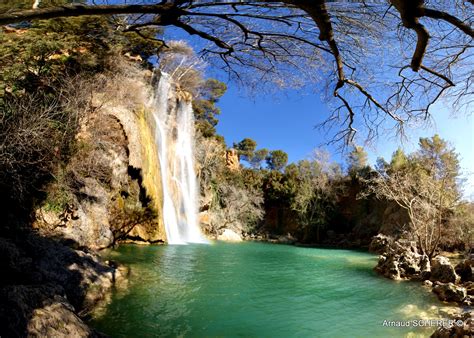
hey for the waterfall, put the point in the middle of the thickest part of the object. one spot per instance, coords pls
(174, 137)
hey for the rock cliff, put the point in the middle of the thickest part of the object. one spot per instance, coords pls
(232, 160)
(113, 180)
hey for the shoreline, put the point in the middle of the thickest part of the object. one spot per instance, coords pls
(97, 278)
(444, 311)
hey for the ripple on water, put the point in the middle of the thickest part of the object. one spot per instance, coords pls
(259, 290)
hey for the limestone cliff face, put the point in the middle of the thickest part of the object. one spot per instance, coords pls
(232, 160)
(113, 182)
(143, 160)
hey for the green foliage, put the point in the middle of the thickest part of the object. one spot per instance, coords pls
(314, 196)
(205, 109)
(462, 228)
(213, 90)
(357, 163)
(233, 197)
(399, 160)
(252, 179)
(439, 160)
(258, 157)
(59, 194)
(246, 149)
(45, 66)
(275, 187)
(6, 5)
(36, 57)
(277, 160)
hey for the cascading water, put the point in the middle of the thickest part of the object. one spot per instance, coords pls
(174, 137)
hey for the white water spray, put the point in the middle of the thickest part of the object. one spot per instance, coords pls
(174, 137)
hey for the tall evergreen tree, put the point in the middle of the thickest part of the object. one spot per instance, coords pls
(205, 109)
(277, 160)
(246, 149)
(259, 156)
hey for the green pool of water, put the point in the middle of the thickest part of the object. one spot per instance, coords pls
(259, 290)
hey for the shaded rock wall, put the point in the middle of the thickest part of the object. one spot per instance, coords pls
(352, 222)
(47, 285)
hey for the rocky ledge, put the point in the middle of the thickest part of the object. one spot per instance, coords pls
(401, 260)
(47, 287)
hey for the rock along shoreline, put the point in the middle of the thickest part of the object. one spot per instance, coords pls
(400, 260)
(50, 286)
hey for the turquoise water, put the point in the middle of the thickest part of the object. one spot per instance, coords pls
(258, 290)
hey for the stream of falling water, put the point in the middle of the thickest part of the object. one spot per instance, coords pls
(174, 137)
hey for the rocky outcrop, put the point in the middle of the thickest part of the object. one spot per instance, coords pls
(460, 326)
(107, 198)
(232, 159)
(442, 270)
(48, 286)
(41, 311)
(229, 236)
(143, 159)
(399, 259)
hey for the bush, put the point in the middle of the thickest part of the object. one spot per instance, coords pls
(37, 133)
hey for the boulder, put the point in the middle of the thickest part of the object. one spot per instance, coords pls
(229, 236)
(465, 270)
(39, 311)
(442, 270)
(449, 292)
(388, 266)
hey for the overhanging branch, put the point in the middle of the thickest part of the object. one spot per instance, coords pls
(75, 10)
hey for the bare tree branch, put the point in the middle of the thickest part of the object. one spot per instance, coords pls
(296, 42)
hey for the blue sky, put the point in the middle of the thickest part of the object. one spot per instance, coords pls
(287, 120)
